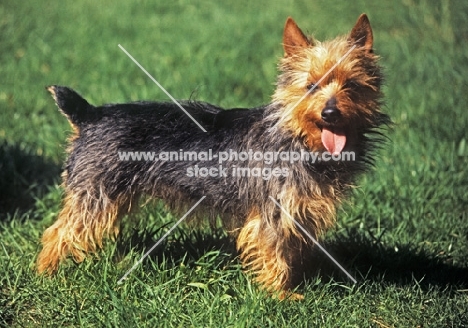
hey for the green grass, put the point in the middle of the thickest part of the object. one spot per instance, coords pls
(404, 235)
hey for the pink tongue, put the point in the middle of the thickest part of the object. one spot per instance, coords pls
(334, 142)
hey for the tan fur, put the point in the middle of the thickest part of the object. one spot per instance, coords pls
(267, 250)
(80, 228)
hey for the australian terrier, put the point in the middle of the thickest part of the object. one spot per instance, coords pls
(326, 104)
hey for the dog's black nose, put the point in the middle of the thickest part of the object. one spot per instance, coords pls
(330, 113)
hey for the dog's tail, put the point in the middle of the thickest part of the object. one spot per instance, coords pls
(72, 105)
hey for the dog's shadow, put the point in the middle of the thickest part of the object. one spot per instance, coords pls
(364, 257)
(186, 245)
(24, 176)
(369, 259)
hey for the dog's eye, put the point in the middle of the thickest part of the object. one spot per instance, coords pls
(350, 84)
(312, 86)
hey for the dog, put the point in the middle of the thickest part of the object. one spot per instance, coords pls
(327, 103)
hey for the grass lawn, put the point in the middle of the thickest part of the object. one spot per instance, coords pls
(404, 234)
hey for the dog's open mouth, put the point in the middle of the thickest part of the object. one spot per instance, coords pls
(333, 139)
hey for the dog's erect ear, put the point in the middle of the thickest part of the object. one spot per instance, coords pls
(293, 38)
(73, 106)
(361, 34)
